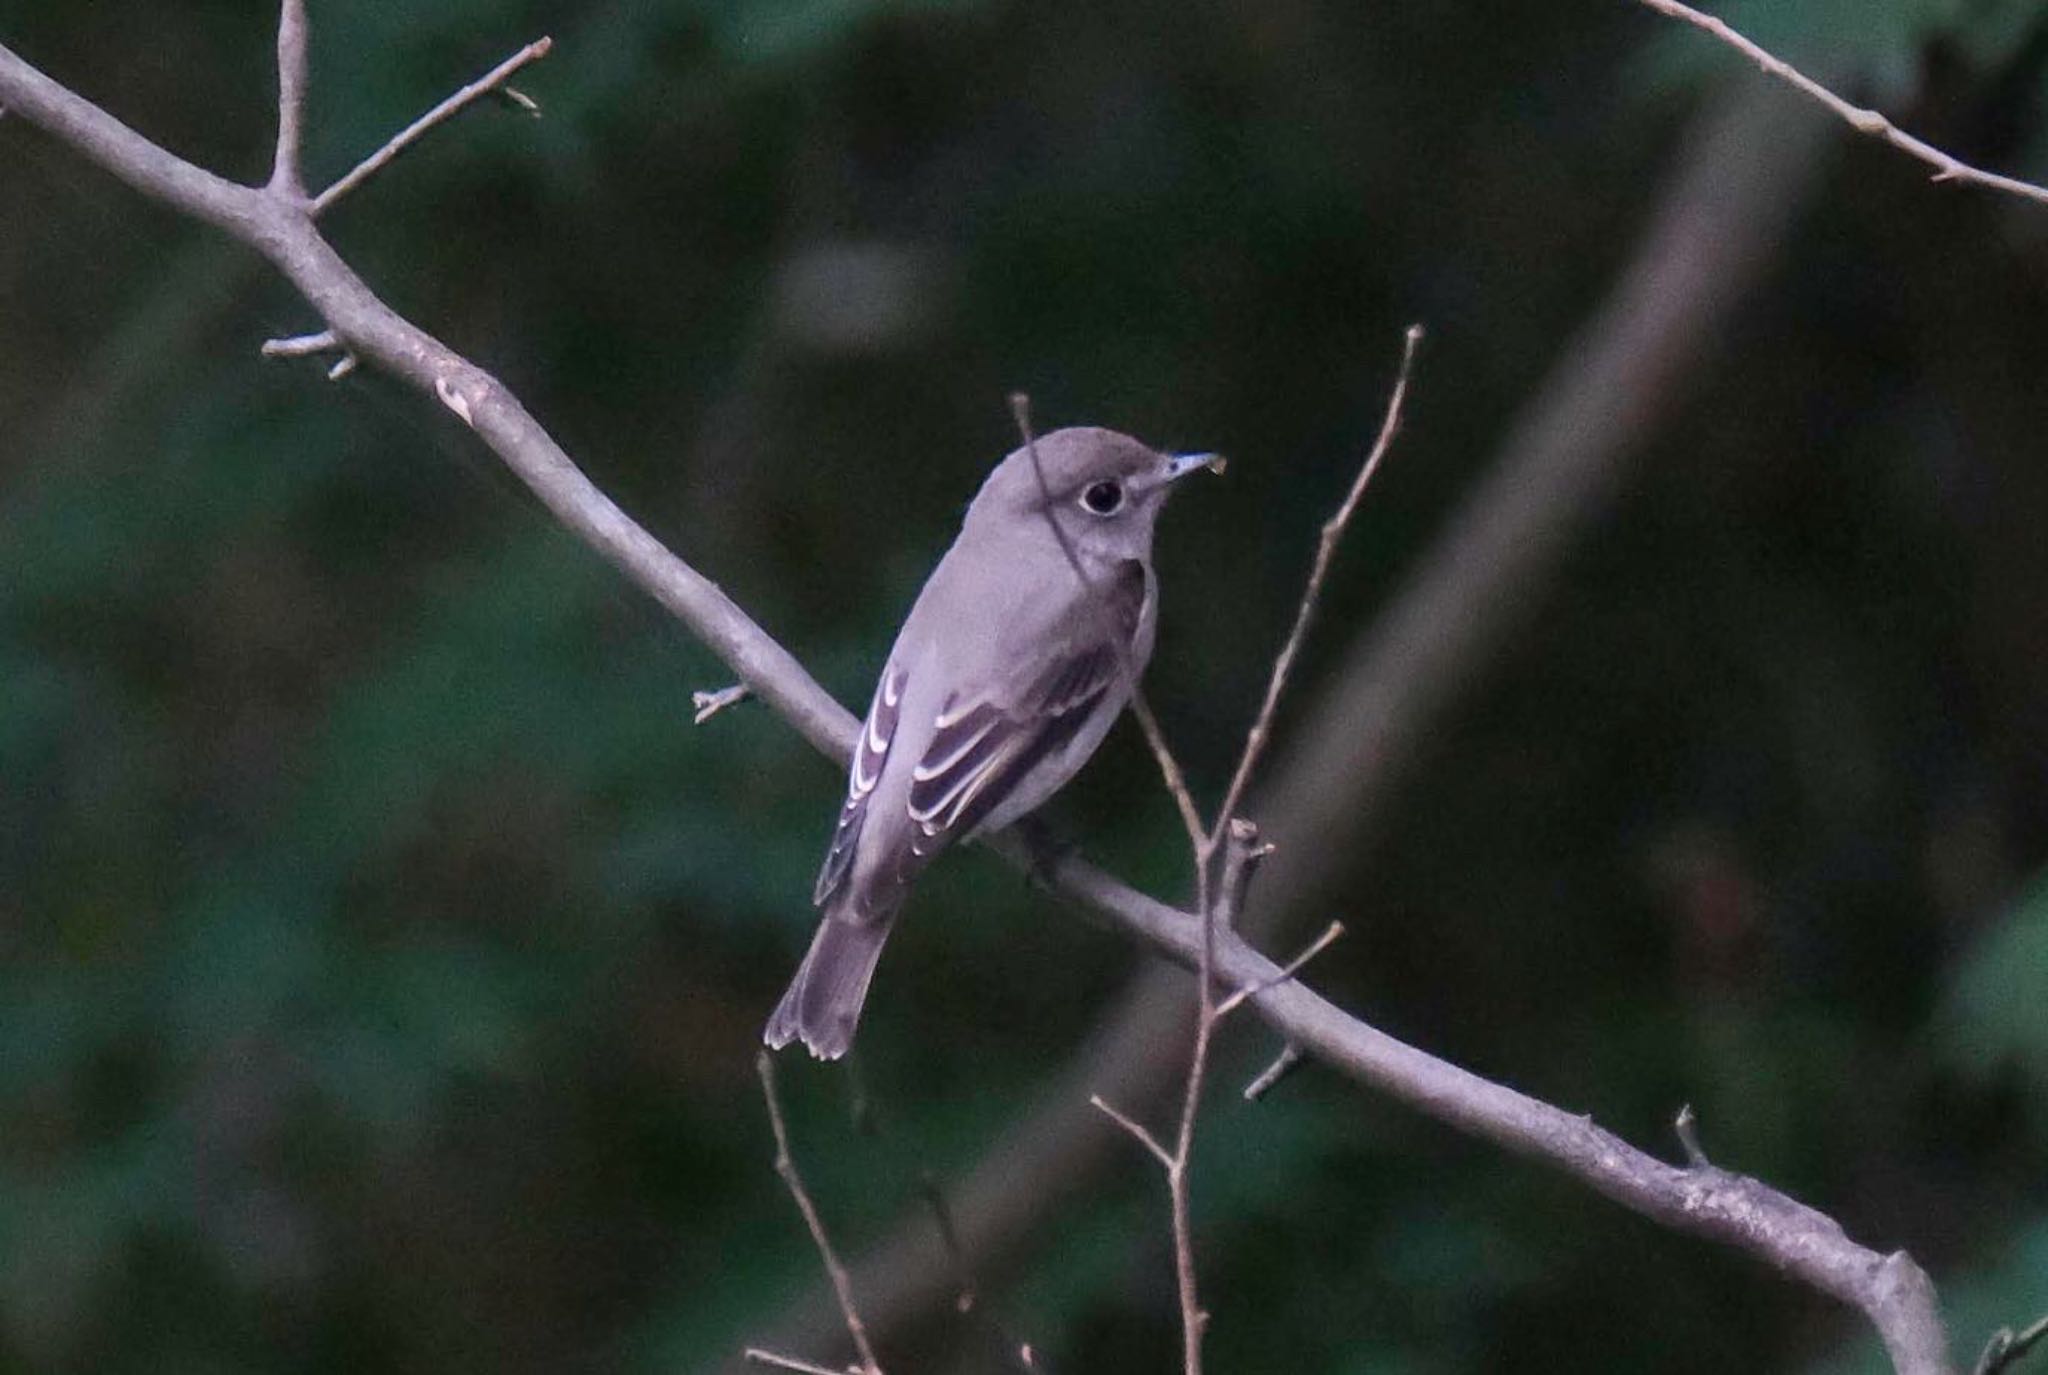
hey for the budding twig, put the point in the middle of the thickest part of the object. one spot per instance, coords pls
(1864, 121)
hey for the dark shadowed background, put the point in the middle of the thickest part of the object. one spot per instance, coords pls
(383, 952)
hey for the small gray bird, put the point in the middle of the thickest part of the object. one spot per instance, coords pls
(1003, 680)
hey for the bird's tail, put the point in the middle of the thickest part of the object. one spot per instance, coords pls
(824, 1000)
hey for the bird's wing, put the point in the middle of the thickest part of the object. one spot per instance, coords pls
(876, 735)
(981, 745)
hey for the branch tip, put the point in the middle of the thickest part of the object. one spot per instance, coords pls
(1284, 1064)
(301, 345)
(490, 82)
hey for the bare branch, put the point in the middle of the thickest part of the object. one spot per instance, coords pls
(1333, 534)
(1863, 121)
(1137, 1129)
(781, 1362)
(412, 133)
(1287, 971)
(709, 704)
(785, 1166)
(1269, 1078)
(286, 180)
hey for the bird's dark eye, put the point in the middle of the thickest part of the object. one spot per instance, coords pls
(1103, 498)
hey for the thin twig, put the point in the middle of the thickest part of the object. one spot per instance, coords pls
(1155, 738)
(785, 1166)
(2006, 1350)
(418, 129)
(1946, 166)
(781, 1362)
(709, 704)
(285, 178)
(1287, 971)
(1326, 549)
(1137, 1129)
(1268, 1079)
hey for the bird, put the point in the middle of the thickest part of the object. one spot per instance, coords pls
(1019, 653)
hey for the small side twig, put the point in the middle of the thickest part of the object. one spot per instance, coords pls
(1686, 1126)
(2005, 1350)
(835, 1269)
(1947, 167)
(779, 1361)
(306, 345)
(1287, 971)
(709, 704)
(1284, 1064)
(301, 345)
(1138, 1131)
(412, 133)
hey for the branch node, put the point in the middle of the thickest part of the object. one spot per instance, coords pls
(343, 366)
(709, 704)
(455, 401)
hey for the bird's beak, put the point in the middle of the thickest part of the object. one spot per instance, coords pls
(1179, 466)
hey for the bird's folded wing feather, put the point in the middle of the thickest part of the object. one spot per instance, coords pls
(981, 744)
(872, 751)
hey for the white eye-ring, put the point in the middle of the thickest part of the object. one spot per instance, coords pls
(1103, 498)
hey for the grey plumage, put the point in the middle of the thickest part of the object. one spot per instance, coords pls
(1005, 677)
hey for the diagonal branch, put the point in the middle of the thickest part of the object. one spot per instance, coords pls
(1892, 1292)
(835, 1269)
(1863, 120)
(454, 105)
(1326, 550)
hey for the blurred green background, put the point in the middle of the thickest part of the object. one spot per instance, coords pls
(382, 950)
